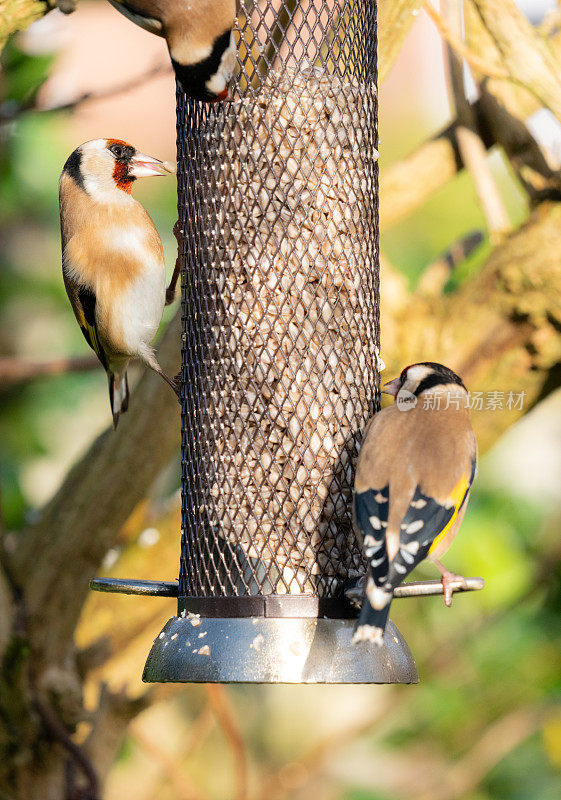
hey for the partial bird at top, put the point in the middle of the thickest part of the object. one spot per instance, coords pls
(199, 37)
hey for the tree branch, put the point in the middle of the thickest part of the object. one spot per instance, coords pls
(16, 15)
(501, 330)
(274, 786)
(81, 522)
(436, 275)
(496, 742)
(496, 123)
(220, 704)
(9, 114)
(470, 145)
(20, 370)
(395, 18)
(110, 722)
(528, 59)
(408, 183)
(446, 31)
(59, 733)
(179, 780)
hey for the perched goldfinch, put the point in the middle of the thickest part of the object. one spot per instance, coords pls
(416, 465)
(199, 38)
(112, 258)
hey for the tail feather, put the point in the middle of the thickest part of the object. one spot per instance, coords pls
(372, 621)
(118, 395)
(371, 515)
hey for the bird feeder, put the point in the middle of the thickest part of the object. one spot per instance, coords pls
(278, 220)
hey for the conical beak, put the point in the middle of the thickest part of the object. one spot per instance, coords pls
(392, 387)
(143, 166)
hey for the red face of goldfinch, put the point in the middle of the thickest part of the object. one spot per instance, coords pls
(103, 165)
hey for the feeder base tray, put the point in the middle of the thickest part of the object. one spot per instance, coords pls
(193, 649)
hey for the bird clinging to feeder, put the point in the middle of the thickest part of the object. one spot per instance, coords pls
(112, 258)
(199, 37)
(413, 477)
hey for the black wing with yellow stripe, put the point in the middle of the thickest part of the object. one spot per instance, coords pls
(425, 525)
(87, 301)
(83, 302)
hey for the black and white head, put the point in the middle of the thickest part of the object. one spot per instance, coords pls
(422, 377)
(207, 79)
(202, 47)
(103, 166)
(200, 39)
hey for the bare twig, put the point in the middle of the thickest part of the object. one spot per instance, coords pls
(500, 317)
(527, 56)
(436, 275)
(472, 149)
(475, 158)
(496, 124)
(225, 715)
(109, 724)
(408, 183)
(275, 785)
(395, 19)
(98, 495)
(9, 114)
(180, 781)
(462, 777)
(19, 370)
(481, 65)
(59, 732)
(199, 730)
(496, 742)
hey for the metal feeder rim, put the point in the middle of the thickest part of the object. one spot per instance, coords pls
(267, 605)
(260, 650)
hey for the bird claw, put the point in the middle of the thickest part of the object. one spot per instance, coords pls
(177, 383)
(451, 581)
(354, 591)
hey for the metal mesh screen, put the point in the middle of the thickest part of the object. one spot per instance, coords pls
(278, 208)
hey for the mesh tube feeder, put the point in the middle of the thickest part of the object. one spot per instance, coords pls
(278, 214)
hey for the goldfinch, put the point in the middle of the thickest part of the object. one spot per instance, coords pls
(416, 465)
(199, 37)
(112, 258)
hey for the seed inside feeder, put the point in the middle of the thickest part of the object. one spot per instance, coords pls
(292, 333)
